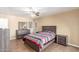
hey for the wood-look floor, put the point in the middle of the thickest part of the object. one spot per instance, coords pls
(18, 46)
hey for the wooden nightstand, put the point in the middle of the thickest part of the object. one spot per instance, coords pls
(61, 39)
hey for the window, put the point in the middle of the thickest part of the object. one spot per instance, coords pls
(3, 23)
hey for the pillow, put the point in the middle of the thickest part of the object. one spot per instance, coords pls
(32, 32)
(47, 31)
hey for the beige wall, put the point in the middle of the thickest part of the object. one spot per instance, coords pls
(67, 24)
(13, 23)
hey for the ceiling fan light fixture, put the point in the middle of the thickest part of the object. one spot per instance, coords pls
(32, 10)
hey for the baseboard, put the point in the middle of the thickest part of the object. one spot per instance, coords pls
(12, 38)
(73, 45)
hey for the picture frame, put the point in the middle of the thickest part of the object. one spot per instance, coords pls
(30, 24)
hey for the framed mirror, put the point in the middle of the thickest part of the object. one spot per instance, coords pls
(22, 25)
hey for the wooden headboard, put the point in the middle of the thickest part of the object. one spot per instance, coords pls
(49, 28)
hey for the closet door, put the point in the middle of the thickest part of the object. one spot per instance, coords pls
(1, 44)
(6, 40)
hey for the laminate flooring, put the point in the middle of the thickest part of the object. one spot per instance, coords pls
(18, 46)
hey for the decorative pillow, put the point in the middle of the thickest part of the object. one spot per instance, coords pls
(32, 32)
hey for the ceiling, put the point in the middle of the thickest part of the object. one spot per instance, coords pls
(44, 11)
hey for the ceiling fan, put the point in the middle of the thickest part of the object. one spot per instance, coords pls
(36, 13)
(32, 11)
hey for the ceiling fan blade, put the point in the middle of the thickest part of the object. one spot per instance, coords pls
(37, 14)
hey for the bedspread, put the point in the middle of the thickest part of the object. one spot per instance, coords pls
(40, 38)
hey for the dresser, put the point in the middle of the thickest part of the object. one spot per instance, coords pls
(21, 33)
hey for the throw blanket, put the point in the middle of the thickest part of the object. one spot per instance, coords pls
(40, 38)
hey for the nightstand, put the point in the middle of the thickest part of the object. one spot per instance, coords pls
(61, 39)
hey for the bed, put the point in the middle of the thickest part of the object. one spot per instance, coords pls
(35, 41)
